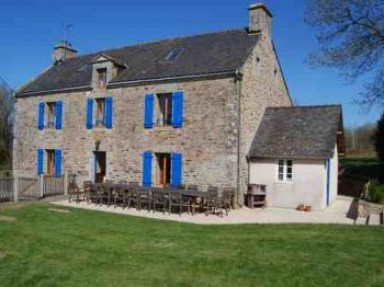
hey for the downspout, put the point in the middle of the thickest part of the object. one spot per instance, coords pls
(328, 180)
(238, 78)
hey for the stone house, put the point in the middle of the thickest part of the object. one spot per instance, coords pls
(181, 110)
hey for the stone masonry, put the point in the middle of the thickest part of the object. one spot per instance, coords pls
(208, 139)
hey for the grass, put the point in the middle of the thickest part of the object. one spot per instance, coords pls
(88, 248)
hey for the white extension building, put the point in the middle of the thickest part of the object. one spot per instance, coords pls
(295, 154)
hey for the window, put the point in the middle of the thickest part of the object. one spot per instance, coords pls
(50, 161)
(51, 115)
(285, 170)
(164, 110)
(163, 170)
(102, 77)
(100, 112)
(173, 54)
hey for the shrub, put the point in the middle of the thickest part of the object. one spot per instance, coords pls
(378, 139)
(374, 192)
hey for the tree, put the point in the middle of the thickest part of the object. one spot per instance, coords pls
(378, 139)
(351, 38)
(6, 122)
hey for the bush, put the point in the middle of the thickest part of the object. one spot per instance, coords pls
(374, 192)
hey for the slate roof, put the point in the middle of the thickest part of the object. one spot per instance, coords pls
(297, 132)
(201, 54)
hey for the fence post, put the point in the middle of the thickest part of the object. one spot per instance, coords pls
(41, 179)
(15, 188)
(66, 182)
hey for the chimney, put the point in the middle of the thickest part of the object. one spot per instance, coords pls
(63, 51)
(260, 19)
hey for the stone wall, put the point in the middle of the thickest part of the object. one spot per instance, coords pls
(207, 140)
(262, 86)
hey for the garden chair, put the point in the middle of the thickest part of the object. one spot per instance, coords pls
(160, 199)
(143, 197)
(176, 199)
(210, 200)
(73, 190)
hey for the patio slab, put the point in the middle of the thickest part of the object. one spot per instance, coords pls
(340, 212)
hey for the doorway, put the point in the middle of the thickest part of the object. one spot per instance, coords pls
(100, 166)
(163, 170)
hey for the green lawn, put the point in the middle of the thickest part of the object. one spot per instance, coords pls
(85, 248)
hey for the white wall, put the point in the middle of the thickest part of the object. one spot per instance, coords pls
(308, 185)
(334, 176)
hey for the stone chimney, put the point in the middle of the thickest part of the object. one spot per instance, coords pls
(260, 19)
(63, 51)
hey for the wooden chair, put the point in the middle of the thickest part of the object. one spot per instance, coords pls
(118, 197)
(210, 200)
(143, 197)
(225, 201)
(87, 189)
(96, 194)
(176, 199)
(73, 190)
(160, 199)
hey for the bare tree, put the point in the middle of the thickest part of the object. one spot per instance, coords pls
(351, 38)
(6, 122)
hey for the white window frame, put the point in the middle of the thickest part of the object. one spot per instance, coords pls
(284, 172)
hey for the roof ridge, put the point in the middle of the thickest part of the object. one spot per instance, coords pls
(106, 51)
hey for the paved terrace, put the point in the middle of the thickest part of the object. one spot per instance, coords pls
(342, 211)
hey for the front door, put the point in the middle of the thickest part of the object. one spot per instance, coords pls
(100, 166)
(163, 169)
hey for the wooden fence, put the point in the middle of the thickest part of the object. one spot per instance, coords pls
(17, 186)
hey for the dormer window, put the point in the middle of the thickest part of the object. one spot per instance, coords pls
(173, 54)
(102, 77)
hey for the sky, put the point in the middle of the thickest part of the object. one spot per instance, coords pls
(29, 29)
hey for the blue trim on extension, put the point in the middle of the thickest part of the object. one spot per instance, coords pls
(328, 179)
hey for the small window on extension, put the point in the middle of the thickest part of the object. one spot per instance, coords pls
(173, 54)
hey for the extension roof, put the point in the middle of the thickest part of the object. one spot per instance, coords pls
(204, 54)
(306, 132)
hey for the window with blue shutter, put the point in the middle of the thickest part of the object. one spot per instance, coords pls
(177, 109)
(147, 168)
(40, 117)
(108, 112)
(58, 162)
(40, 161)
(89, 123)
(59, 115)
(176, 166)
(148, 111)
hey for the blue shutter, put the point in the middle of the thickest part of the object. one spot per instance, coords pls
(176, 165)
(108, 112)
(177, 109)
(59, 115)
(89, 113)
(40, 161)
(147, 168)
(58, 162)
(40, 120)
(148, 111)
